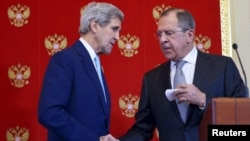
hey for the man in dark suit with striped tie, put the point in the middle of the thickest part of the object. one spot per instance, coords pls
(207, 76)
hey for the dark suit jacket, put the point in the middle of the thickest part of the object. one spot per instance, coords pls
(216, 76)
(72, 105)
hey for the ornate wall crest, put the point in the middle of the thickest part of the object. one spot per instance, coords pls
(17, 134)
(19, 75)
(157, 10)
(82, 9)
(129, 105)
(128, 45)
(203, 43)
(55, 43)
(18, 14)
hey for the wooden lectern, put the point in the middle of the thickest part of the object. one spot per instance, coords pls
(225, 111)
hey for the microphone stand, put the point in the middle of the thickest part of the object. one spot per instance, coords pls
(235, 47)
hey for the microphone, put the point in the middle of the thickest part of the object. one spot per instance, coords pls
(235, 47)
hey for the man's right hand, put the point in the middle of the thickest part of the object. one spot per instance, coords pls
(108, 137)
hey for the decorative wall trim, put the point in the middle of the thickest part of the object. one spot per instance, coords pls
(225, 28)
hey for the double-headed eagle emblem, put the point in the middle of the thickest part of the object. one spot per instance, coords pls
(18, 15)
(128, 45)
(55, 43)
(129, 105)
(17, 134)
(19, 75)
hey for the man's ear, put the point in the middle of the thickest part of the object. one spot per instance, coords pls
(93, 26)
(191, 34)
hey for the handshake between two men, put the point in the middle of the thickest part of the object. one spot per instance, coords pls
(108, 137)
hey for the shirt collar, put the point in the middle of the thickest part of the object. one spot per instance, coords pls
(89, 48)
(190, 57)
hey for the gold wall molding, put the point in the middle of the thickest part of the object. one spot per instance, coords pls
(226, 41)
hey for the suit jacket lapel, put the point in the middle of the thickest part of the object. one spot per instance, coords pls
(107, 94)
(90, 69)
(201, 68)
(166, 84)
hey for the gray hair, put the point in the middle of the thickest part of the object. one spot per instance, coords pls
(101, 13)
(185, 18)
